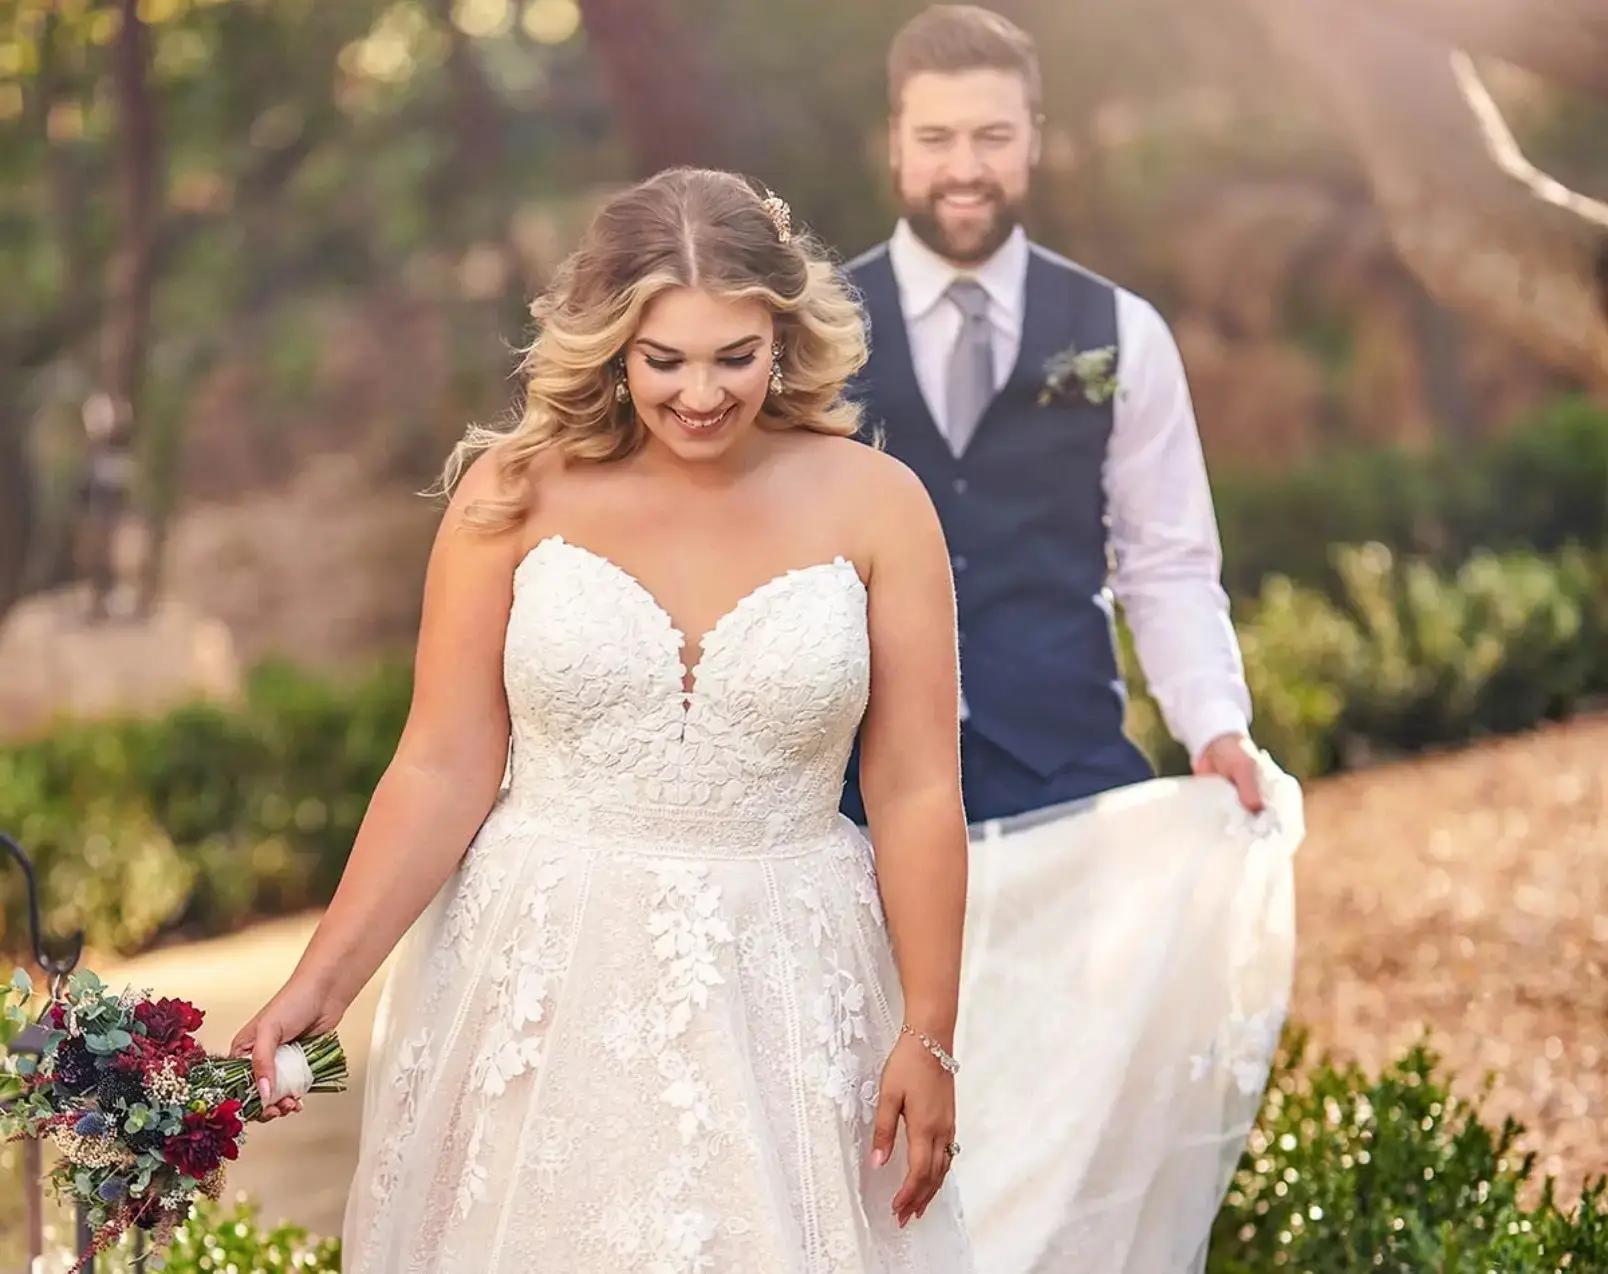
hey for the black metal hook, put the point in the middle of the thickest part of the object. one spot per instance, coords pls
(58, 966)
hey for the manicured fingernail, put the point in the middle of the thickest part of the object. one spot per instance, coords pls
(262, 1089)
(879, 1156)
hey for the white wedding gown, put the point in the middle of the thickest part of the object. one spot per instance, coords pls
(1127, 971)
(641, 1028)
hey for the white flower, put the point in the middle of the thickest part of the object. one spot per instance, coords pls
(1092, 371)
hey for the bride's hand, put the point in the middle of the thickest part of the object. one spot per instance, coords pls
(300, 1008)
(917, 1088)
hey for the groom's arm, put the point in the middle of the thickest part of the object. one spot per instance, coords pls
(1168, 560)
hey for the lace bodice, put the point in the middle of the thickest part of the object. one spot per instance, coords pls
(609, 741)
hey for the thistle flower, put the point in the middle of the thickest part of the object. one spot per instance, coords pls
(91, 1124)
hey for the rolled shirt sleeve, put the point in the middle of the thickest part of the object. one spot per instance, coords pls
(1163, 534)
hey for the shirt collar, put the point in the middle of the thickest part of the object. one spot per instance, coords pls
(923, 276)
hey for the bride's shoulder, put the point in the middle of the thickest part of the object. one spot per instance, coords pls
(499, 476)
(867, 489)
(878, 480)
(861, 469)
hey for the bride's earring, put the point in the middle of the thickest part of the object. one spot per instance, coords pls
(777, 384)
(622, 391)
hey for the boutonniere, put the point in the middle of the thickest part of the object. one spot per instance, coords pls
(1091, 372)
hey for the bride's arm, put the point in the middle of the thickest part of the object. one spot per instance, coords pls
(436, 790)
(910, 778)
(449, 762)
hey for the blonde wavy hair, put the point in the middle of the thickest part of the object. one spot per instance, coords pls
(685, 227)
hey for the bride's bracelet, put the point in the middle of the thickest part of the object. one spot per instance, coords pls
(933, 1047)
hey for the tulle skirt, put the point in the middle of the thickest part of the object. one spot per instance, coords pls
(1127, 972)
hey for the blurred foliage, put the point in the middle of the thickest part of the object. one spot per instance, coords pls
(1344, 1173)
(1402, 657)
(218, 1238)
(310, 155)
(215, 1239)
(201, 819)
(436, 148)
(1541, 486)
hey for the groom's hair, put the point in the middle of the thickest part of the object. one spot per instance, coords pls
(949, 38)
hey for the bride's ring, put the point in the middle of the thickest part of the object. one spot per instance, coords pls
(953, 1148)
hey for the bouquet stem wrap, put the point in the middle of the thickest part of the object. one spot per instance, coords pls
(313, 1064)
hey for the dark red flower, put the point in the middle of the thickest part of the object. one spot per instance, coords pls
(76, 1071)
(143, 1056)
(208, 1136)
(167, 1021)
(147, 1213)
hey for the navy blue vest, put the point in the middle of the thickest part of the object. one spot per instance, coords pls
(1024, 512)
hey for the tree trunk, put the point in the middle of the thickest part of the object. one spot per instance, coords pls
(127, 332)
(113, 418)
(477, 123)
(16, 507)
(1486, 233)
(67, 178)
(65, 183)
(672, 105)
(1565, 41)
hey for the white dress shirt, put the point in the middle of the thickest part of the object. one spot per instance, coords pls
(1163, 531)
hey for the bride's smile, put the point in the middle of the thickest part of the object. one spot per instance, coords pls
(699, 370)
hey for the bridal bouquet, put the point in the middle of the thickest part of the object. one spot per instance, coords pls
(142, 1117)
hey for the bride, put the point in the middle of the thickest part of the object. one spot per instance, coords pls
(658, 1009)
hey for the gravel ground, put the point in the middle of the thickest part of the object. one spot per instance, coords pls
(1467, 893)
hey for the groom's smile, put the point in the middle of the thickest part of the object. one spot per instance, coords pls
(962, 146)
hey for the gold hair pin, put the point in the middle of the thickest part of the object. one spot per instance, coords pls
(781, 216)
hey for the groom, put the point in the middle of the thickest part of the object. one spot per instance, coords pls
(1047, 482)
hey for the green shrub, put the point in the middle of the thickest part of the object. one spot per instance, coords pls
(1345, 1174)
(200, 819)
(214, 1239)
(1541, 486)
(1402, 657)
(1499, 646)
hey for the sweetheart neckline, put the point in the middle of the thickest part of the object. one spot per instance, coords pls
(689, 674)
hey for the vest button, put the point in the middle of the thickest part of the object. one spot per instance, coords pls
(958, 562)
(960, 486)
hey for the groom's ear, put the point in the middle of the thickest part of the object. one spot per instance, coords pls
(893, 141)
(1035, 150)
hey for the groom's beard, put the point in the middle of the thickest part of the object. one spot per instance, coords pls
(968, 245)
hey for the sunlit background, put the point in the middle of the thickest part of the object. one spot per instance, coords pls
(262, 260)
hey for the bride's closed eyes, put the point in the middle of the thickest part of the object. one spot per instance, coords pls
(670, 364)
(666, 358)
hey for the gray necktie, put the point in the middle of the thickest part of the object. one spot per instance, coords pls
(969, 380)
